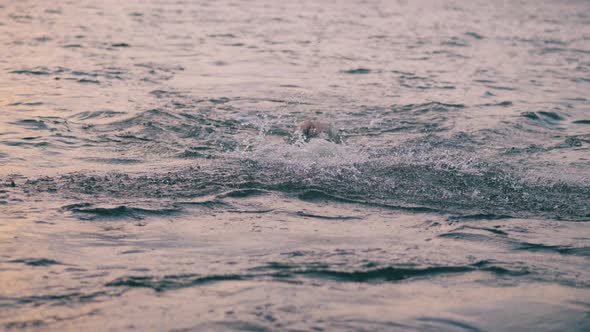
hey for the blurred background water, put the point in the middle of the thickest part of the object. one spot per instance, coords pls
(152, 176)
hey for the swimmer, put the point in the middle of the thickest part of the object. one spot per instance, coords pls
(311, 129)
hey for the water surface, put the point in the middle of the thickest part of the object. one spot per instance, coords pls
(152, 176)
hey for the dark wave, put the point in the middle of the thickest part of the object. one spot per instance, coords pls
(318, 216)
(434, 185)
(170, 282)
(482, 234)
(563, 250)
(36, 261)
(57, 299)
(285, 272)
(116, 212)
(357, 71)
(244, 193)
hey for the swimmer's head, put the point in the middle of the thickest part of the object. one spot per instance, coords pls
(311, 129)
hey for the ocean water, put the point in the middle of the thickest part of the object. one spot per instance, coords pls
(152, 176)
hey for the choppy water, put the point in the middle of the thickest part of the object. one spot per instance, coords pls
(152, 177)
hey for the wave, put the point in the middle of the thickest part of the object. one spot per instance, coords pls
(36, 261)
(434, 180)
(293, 273)
(116, 212)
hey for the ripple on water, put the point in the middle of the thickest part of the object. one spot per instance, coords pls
(308, 273)
(453, 179)
(455, 183)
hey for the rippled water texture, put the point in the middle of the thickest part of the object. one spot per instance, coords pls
(152, 176)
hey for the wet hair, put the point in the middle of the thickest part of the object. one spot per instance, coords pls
(310, 131)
